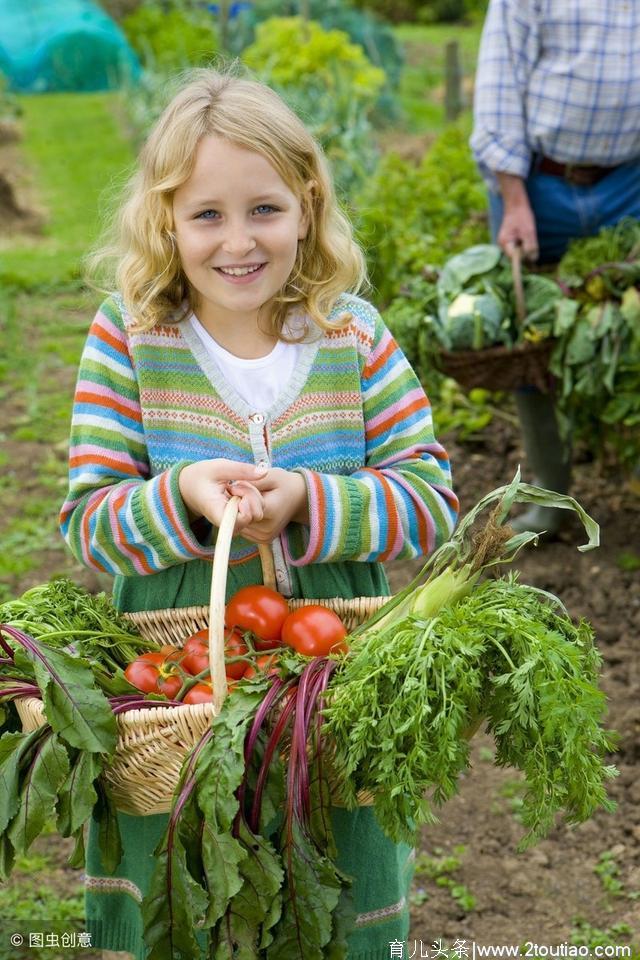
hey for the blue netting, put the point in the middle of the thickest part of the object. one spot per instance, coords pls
(62, 45)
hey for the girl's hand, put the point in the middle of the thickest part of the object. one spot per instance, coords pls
(204, 487)
(284, 495)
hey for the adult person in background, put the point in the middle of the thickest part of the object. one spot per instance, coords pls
(557, 138)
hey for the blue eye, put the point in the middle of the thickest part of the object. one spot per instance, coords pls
(207, 215)
(266, 208)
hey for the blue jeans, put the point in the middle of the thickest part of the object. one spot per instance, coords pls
(564, 211)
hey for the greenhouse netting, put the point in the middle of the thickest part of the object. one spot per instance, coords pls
(62, 45)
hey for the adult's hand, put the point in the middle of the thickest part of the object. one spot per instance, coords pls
(204, 487)
(518, 226)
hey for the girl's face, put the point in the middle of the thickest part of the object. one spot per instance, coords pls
(237, 227)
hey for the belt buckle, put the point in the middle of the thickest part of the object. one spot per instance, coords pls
(579, 176)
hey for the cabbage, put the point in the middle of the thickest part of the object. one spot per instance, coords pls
(472, 262)
(472, 321)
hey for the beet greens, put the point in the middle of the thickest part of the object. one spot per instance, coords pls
(248, 855)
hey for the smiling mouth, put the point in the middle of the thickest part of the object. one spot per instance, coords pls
(240, 271)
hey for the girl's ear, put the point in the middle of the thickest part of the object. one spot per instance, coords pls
(307, 206)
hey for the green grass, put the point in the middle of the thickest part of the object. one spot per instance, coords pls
(422, 85)
(43, 896)
(76, 156)
(42, 337)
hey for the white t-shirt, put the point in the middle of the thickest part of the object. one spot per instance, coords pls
(258, 381)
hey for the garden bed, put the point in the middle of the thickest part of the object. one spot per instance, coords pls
(580, 880)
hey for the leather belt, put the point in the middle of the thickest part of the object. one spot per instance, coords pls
(580, 175)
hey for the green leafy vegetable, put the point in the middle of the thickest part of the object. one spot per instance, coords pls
(502, 652)
(47, 771)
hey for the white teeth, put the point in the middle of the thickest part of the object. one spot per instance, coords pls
(239, 271)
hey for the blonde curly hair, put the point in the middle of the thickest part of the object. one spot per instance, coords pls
(142, 260)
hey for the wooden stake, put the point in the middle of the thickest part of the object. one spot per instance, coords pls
(453, 82)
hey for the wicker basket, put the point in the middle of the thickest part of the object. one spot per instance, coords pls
(500, 368)
(153, 743)
(503, 368)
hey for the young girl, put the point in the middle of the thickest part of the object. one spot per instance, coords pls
(236, 357)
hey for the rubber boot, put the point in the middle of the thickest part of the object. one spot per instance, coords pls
(548, 458)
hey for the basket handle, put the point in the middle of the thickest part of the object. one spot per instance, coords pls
(217, 599)
(516, 268)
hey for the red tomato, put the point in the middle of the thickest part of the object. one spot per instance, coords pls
(261, 610)
(196, 655)
(235, 647)
(142, 674)
(262, 665)
(195, 640)
(314, 631)
(169, 650)
(155, 672)
(153, 656)
(169, 684)
(199, 693)
(196, 658)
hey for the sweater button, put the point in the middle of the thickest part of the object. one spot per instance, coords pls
(257, 418)
(262, 463)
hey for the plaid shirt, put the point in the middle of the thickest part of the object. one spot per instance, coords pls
(559, 78)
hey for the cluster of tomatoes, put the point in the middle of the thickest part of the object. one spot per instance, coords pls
(257, 620)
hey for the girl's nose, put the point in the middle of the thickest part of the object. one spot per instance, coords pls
(238, 240)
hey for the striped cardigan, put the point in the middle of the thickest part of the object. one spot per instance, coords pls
(354, 421)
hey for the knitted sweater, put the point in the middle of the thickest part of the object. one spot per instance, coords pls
(353, 420)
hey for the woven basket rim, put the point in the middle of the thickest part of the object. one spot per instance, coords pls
(500, 350)
(181, 613)
(144, 714)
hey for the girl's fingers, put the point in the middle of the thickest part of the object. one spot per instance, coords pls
(226, 471)
(251, 506)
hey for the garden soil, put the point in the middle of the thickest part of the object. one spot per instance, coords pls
(585, 878)
(16, 214)
(472, 886)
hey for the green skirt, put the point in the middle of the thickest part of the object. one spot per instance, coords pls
(381, 871)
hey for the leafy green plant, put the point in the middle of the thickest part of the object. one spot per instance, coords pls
(435, 642)
(467, 414)
(584, 934)
(440, 870)
(408, 216)
(628, 560)
(170, 36)
(597, 357)
(368, 31)
(609, 872)
(589, 310)
(512, 791)
(293, 52)
(474, 304)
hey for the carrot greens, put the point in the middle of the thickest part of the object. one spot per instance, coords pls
(401, 707)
